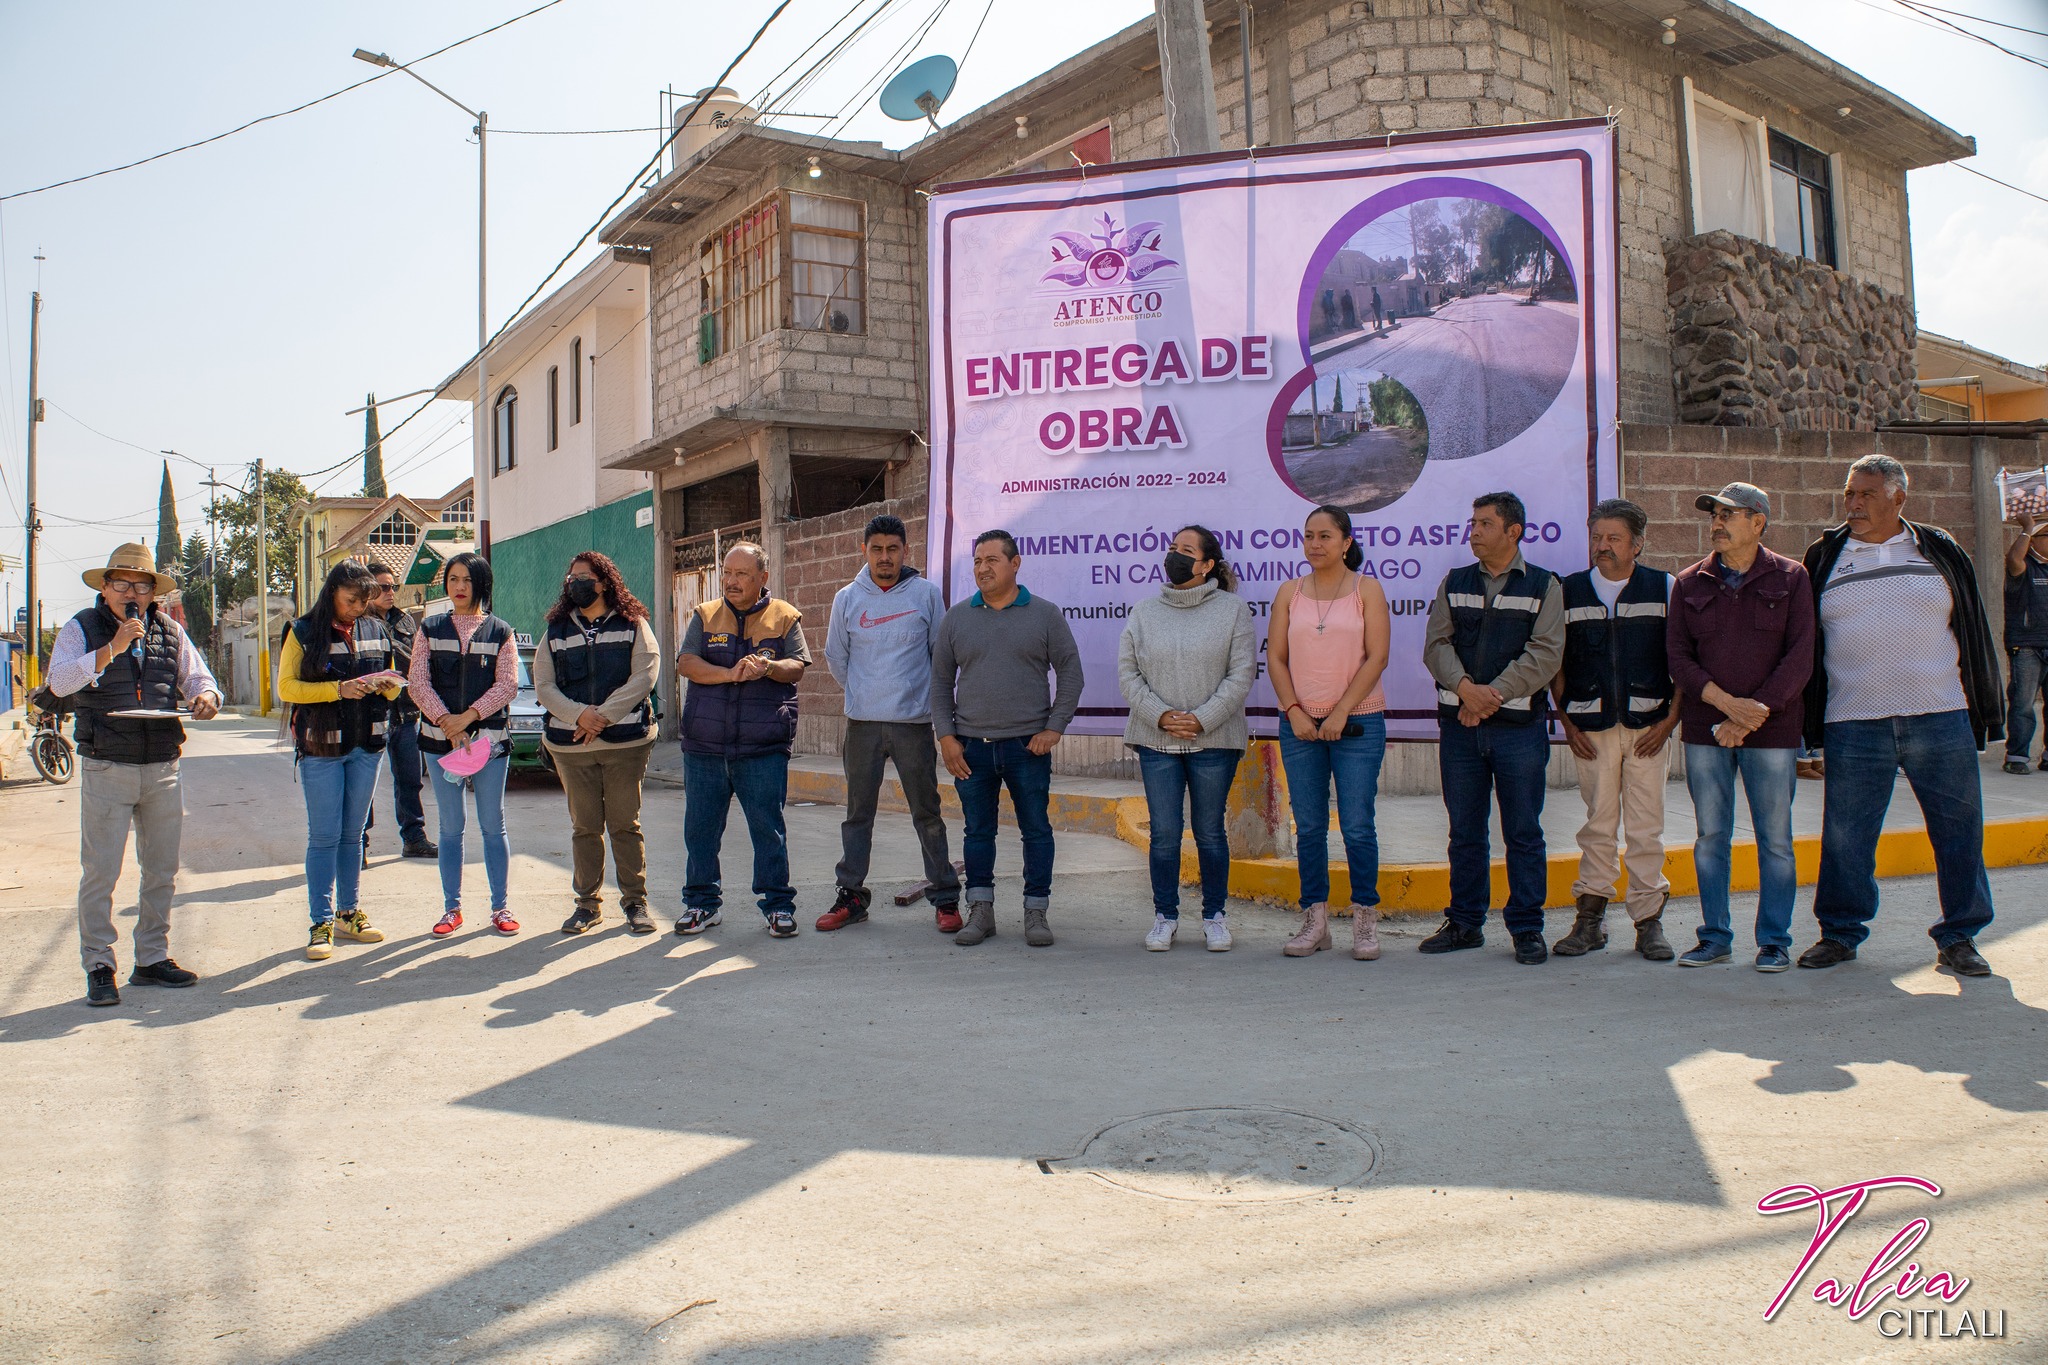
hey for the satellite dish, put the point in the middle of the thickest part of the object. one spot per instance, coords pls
(917, 91)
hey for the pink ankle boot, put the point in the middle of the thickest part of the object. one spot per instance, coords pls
(1365, 933)
(1314, 935)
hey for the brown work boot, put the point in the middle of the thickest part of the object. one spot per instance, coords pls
(1365, 933)
(1650, 940)
(1588, 934)
(1314, 935)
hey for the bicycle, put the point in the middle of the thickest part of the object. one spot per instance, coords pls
(48, 749)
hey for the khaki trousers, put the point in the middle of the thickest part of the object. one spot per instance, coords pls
(112, 797)
(603, 787)
(1621, 792)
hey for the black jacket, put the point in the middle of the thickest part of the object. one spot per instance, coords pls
(1983, 682)
(402, 629)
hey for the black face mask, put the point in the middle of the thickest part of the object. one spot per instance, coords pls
(1179, 568)
(583, 591)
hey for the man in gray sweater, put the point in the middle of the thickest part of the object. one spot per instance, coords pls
(997, 727)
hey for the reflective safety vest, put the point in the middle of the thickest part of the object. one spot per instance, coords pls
(1488, 636)
(329, 729)
(461, 675)
(589, 668)
(1615, 668)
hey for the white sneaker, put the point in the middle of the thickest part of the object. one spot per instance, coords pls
(1161, 937)
(1218, 934)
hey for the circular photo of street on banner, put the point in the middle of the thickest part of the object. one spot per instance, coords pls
(1439, 330)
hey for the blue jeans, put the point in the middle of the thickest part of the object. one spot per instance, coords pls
(489, 785)
(404, 748)
(1939, 753)
(1505, 763)
(1354, 766)
(1770, 777)
(2028, 667)
(992, 765)
(1174, 784)
(337, 792)
(760, 781)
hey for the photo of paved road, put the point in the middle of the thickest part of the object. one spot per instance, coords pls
(1484, 368)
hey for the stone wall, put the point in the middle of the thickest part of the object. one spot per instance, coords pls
(1761, 338)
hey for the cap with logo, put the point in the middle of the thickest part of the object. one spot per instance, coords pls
(1743, 497)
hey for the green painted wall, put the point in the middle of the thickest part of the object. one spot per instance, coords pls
(526, 570)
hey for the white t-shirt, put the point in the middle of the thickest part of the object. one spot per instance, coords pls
(1884, 613)
(1608, 588)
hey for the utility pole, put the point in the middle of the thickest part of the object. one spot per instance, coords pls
(487, 467)
(213, 566)
(262, 596)
(1185, 76)
(35, 415)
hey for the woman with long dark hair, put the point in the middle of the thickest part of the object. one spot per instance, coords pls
(1185, 665)
(465, 673)
(1326, 649)
(593, 671)
(334, 672)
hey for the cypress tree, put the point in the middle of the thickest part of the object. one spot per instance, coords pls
(373, 452)
(168, 544)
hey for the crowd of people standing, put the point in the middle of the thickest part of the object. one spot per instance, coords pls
(1874, 652)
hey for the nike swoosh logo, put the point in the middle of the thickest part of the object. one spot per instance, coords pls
(867, 624)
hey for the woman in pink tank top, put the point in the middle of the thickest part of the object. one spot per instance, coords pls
(1326, 649)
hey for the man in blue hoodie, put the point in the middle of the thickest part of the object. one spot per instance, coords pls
(879, 648)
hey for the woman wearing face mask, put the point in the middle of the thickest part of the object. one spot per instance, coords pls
(334, 671)
(1185, 665)
(1326, 649)
(593, 672)
(465, 673)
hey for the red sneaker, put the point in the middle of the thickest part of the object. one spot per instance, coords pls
(502, 921)
(949, 918)
(448, 924)
(851, 907)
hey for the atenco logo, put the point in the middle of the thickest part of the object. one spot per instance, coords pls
(1833, 1210)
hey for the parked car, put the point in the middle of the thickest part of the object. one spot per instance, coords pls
(1493, 289)
(526, 717)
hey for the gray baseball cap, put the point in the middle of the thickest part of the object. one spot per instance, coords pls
(1746, 497)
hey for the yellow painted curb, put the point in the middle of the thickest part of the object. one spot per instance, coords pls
(1118, 817)
(1425, 888)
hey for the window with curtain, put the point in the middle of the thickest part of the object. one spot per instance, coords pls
(739, 274)
(505, 430)
(554, 406)
(575, 380)
(1802, 201)
(1728, 167)
(827, 246)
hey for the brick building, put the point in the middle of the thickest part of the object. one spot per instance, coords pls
(1766, 271)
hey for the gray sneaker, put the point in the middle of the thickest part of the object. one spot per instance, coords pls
(981, 924)
(1037, 932)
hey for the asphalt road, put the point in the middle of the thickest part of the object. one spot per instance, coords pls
(1483, 368)
(878, 1147)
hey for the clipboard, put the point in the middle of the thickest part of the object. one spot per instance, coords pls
(145, 713)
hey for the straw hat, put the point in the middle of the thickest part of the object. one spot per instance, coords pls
(130, 558)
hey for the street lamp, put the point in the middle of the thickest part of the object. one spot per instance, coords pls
(483, 461)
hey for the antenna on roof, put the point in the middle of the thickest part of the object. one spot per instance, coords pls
(917, 91)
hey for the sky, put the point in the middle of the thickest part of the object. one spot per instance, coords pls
(233, 302)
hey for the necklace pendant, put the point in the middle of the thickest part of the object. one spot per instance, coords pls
(1319, 630)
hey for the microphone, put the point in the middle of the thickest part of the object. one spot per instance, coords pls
(135, 650)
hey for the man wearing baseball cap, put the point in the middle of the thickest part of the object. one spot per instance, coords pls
(127, 666)
(1740, 643)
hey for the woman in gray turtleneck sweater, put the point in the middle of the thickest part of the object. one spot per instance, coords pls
(1185, 665)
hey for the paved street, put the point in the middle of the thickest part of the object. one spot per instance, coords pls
(879, 1147)
(1483, 368)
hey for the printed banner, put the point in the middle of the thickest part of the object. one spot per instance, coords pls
(1394, 329)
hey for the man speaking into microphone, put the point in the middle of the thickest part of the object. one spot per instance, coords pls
(126, 665)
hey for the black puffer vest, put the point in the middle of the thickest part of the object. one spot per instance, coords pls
(1489, 636)
(459, 676)
(741, 720)
(125, 739)
(589, 668)
(330, 729)
(1615, 669)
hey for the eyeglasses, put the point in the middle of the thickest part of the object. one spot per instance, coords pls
(122, 587)
(383, 588)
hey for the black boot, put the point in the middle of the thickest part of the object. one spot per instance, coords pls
(1589, 933)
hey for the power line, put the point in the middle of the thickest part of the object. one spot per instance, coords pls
(1980, 19)
(1996, 181)
(283, 113)
(1975, 37)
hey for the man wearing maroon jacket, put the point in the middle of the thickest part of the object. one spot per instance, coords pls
(1740, 643)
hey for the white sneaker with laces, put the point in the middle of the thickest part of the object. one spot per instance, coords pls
(1217, 933)
(1161, 937)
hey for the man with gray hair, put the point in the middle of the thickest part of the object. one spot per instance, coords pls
(1904, 677)
(1618, 706)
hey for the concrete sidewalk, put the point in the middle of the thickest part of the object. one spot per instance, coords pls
(1414, 831)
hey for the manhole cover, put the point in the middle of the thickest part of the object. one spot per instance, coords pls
(1225, 1155)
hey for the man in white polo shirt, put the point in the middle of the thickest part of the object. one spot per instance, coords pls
(1904, 677)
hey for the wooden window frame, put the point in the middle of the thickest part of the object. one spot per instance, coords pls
(859, 236)
(769, 303)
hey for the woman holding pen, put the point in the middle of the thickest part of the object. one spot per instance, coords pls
(465, 673)
(334, 672)
(1326, 649)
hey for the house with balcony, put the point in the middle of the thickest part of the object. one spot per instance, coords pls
(1766, 275)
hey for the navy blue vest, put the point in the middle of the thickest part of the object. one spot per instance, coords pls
(460, 676)
(329, 729)
(1488, 636)
(1615, 668)
(741, 720)
(589, 669)
(2026, 607)
(125, 739)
